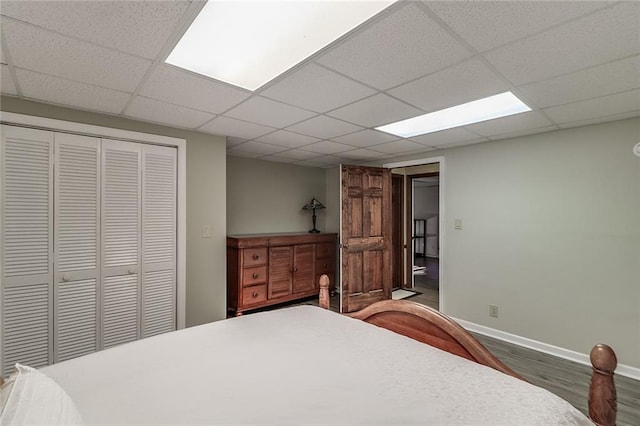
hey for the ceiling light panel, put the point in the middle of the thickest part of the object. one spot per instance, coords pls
(248, 43)
(484, 109)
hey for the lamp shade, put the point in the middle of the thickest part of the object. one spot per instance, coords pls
(313, 205)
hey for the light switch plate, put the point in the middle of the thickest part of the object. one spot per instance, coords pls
(206, 231)
(457, 224)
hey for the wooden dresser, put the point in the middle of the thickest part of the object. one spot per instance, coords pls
(266, 269)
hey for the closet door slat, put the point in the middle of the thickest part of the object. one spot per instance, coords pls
(26, 247)
(121, 212)
(158, 239)
(77, 245)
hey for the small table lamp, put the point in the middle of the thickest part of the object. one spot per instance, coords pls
(313, 205)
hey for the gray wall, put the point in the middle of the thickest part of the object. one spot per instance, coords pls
(425, 201)
(206, 264)
(267, 197)
(551, 234)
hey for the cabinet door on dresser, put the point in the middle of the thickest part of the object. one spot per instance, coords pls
(325, 262)
(303, 267)
(280, 271)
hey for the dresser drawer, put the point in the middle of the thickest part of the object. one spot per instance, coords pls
(254, 294)
(325, 266)
(324, 250)
(255, 275)
(254, 256)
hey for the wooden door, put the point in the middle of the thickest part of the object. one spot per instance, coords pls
(304, 267)
(280, 268)
(397, 220)
(366, 236)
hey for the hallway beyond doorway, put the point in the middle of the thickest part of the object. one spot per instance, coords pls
(427, 282)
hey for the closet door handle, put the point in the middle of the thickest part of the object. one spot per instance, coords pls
(65, 278)
(131, 271)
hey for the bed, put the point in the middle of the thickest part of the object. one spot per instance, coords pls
(308, 365)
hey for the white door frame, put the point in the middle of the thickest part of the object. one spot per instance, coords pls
(127, 135)
(441, 228)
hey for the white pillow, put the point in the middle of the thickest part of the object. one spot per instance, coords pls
(31, 398)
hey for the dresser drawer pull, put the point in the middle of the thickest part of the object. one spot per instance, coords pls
(256, 256)
(324, 265)
(255, 275)
(255, 294)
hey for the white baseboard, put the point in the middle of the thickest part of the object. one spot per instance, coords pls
(622, 369)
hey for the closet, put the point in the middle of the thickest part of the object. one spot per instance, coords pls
(89, 237)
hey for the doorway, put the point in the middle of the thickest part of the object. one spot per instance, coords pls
(421, 252)
(425, 218)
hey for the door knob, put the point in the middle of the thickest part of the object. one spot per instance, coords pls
(131, 271)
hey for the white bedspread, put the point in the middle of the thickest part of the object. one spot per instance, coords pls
(300, 365)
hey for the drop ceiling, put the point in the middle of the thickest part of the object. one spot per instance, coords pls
(573, 62)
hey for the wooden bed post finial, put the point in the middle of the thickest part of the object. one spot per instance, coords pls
(602, 390)
(324, 301)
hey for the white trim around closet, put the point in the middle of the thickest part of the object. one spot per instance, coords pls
(128, 135)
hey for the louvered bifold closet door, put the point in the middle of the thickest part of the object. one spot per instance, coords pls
(158, 239)
(77, 245)
(121, 216)
(26, 250)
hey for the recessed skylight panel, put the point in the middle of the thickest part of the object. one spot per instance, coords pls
(484, 109)
(249, 43)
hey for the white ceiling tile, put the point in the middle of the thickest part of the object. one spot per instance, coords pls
(278, 159)
(327, 147)
(376, 111)
(605, 36)
(232, 141)
(362, 154)
(524, 133)
(307, 88)
(488, 24)
(285, 138)
(259, 148)
(365, 138)
(170, 84)
(64, 92)
(601, 80)
(462, 143)
(330, 160)
(447, 136)
(601, 119)
(510, 124)
(245, 154)
(324, 127)
(226, 126)
(618, 103)
(298, 154)
(311, 164)
(68, 58)
(267, 112)
(400, 47)
(403, 146)
(137, 27)
(465, 82)
(167, 114)
(6, 82)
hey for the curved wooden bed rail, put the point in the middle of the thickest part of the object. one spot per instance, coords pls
(429, 326)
